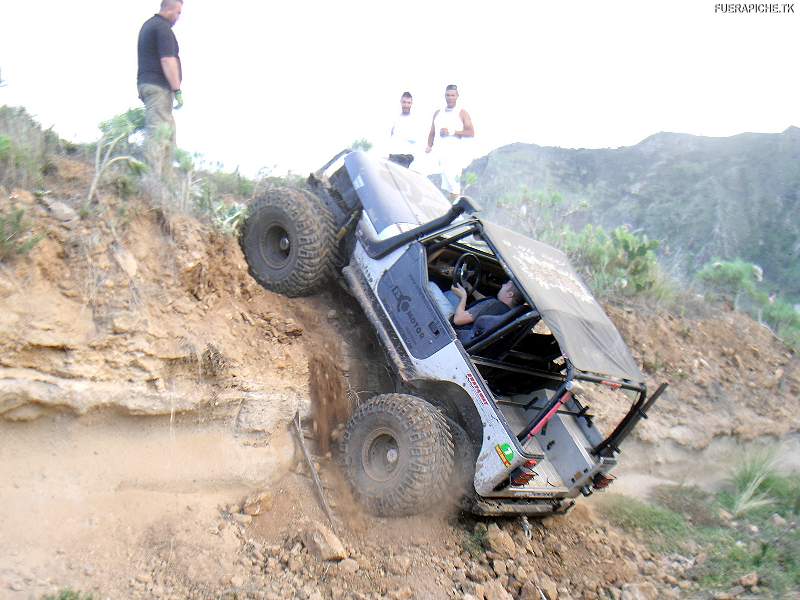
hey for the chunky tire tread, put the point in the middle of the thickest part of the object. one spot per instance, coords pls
(441, 490)
(422, 481)
(311, 226)
(461, 480)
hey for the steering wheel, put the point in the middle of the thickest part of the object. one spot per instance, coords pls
(467, 271)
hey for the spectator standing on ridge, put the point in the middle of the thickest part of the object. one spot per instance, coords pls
(450, 126)
(404, 134)
(159, 84)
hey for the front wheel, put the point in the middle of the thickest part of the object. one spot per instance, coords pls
(398, 454)
(288, 241)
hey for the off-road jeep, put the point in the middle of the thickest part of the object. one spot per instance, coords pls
(497, 414)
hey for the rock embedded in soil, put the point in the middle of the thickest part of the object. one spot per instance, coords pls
(322, 543)
(399, 565)
(493, 590)
(500, 542)
(639, 591)
(750, 580)
(348, 566)
(529, 592)
(549, 588)
(778, 520)
(61, 211)
(500, 568)
(242, 519)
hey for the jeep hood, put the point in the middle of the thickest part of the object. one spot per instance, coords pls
(585, 334)
(393, 195)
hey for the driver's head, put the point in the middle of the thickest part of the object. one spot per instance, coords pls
(509, 294)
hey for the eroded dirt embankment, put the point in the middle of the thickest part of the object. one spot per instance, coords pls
(145, 379)
(728, 375)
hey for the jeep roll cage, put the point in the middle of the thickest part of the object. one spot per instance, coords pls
(520, 320)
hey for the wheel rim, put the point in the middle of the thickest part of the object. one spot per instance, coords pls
(380, 455)
(276, 247)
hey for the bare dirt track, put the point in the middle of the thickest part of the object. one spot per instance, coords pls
(147, 383)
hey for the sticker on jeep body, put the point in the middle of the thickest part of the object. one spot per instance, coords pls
(476, 386)
(505, 453)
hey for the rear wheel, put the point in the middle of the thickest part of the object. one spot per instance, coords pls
(288, 241)
(398, 454)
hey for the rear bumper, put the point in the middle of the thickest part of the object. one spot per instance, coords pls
(496, 507)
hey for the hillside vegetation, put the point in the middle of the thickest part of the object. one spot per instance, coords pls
(704, 199)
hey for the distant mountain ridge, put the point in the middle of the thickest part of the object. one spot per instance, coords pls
(703, 197)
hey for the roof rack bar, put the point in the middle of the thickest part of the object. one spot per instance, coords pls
(627, 385)
(496, 364)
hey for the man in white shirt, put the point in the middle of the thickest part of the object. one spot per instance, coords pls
(404, 134)
(451, 125)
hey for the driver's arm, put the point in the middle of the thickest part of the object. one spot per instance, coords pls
(462, 316)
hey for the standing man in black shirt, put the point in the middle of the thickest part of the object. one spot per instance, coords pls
(159, 83)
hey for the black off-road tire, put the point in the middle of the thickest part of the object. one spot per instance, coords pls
(417, 435)
(288, 241)
(463, 475)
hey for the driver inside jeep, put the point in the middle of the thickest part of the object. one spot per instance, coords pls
(453, 303)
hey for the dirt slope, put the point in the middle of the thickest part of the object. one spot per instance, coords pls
(142, 372)
(728, 376)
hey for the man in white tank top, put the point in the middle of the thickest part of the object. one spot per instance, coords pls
(449, 128)
(404, 136)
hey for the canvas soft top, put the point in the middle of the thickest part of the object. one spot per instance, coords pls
(585, 334)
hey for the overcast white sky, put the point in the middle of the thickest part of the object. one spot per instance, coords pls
(291, 83)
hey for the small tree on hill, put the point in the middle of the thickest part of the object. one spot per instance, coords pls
(116, 132)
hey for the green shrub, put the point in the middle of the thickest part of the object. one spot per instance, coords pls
(728, 280)
(749, 483)
(693, 503)
(740, 283)
(361, 144)
(754, 542)
(128, 123)
(114, 148)
(662, 528)
(25, 149)
(5, 147)
(68, 594)
(616, 262)
(232, 184)
(620, 261)
(474, 543)
(16, 236)
(225, 216)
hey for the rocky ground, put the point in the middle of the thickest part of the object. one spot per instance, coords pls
(285, 548)
(146, 386)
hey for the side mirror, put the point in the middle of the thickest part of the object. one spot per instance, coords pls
(468, 205)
